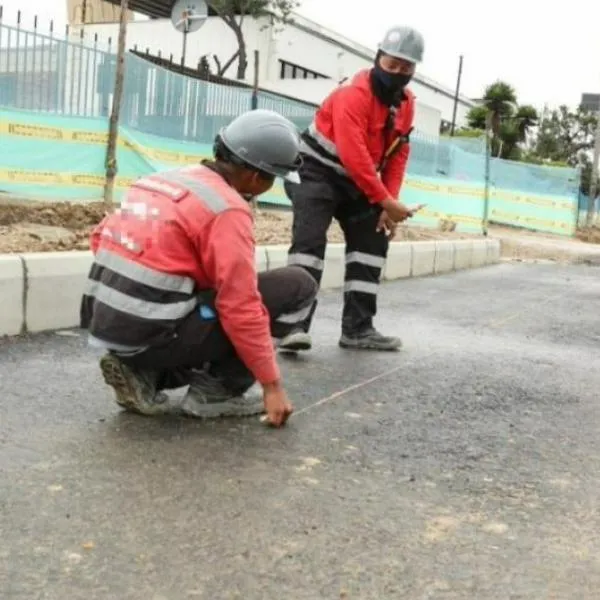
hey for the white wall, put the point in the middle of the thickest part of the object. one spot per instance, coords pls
(332, 54)
(159, 35)
(427, 120)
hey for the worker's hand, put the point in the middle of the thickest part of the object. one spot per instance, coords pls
(386, 225)
(277, 404)
(395, 210)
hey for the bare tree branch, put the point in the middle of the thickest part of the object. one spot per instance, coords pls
(234, 12)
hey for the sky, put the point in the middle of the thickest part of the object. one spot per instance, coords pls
(550, 56)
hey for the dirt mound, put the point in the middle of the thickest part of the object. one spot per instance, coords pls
(591, 235)
(62, 226)
(47, 227)
(58, 214)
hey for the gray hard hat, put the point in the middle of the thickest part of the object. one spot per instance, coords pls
(403, 42)
(265, 140)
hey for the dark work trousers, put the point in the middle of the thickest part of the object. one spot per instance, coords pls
(322, 196)
(289, 296)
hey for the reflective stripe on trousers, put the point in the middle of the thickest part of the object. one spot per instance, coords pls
(296, 317)
(306, 260)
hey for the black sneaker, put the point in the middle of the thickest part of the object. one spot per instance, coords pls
(370, 339)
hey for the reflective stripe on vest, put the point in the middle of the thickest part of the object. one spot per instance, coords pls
(142, 274)
(142, 309)
(185, 184)
(324, 149)
(127, 286)
(327, 146)
(325, 143)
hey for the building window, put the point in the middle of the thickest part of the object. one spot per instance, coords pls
(290, 71)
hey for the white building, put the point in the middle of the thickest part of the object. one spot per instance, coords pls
(302, 59)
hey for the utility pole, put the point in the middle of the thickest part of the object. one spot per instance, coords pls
(488, 164)
(460, 66)
(594, 181)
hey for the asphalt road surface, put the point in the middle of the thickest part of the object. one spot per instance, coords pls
(467, 466)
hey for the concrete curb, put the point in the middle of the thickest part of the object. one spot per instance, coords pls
(41, 291)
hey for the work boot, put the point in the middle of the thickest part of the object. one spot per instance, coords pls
(295, 341)
(370, 339)
(209, 398)
(135, 389)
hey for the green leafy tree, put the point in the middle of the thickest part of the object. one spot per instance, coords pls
(514, 132)
(234, 12)
(567, 136)
(476, 117)
(527, 117)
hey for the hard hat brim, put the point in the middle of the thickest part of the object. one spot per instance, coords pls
(406, 57)
(292, 177)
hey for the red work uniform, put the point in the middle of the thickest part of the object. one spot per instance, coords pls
(178, 233)
(353, 129)
(355, 156)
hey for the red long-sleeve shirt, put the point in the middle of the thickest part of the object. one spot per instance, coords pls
(351, 125)
(191, 223)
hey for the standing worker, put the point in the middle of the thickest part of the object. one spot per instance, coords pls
(173, 295)
(355, 154)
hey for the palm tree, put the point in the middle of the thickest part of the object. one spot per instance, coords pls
(500, 99)
(509, 124)
(527, 117)
(476, 117)
(514, 130)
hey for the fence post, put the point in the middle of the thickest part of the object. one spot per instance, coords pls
(113, 130)
(254, 104)
(488, 160)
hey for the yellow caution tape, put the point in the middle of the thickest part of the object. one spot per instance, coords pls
(94, 137)
(424, 185)
(532, 221)
(182, 158)
(61, 179)
(52, 133)
(450, 217)
(532, 200)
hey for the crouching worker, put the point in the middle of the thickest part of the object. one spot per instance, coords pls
(173, 294)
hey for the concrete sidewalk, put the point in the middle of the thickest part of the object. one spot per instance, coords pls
(466, 466)
(523, 244)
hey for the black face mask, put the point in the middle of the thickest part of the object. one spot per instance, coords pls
(393, 82)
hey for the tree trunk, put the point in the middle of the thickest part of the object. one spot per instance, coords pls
(113, 130)
(242, 53)
(242, 59)
(594, 181)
